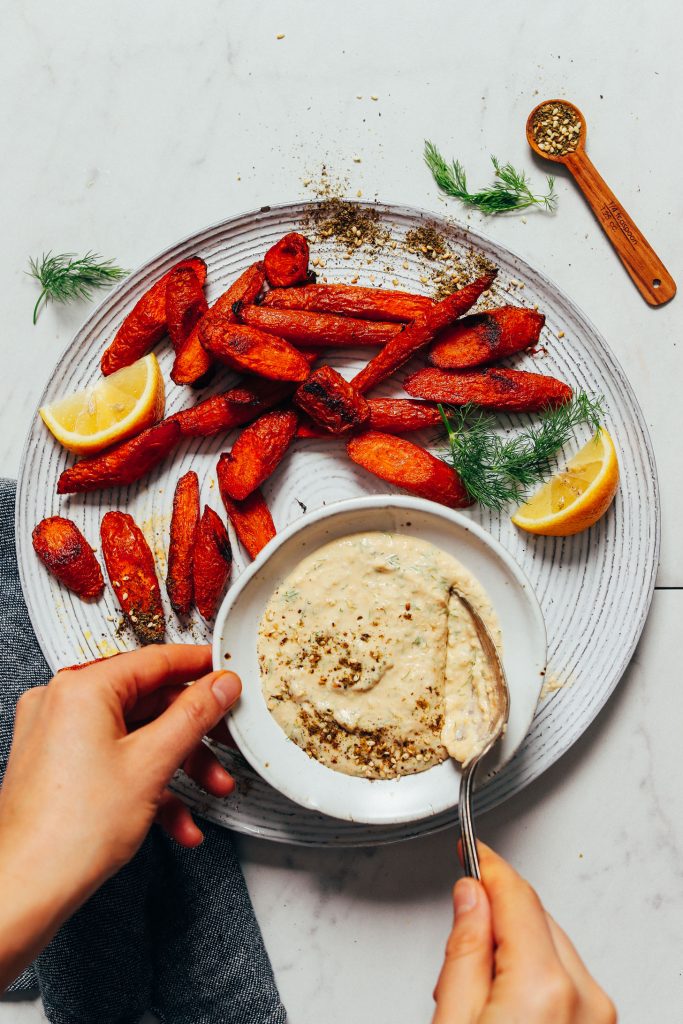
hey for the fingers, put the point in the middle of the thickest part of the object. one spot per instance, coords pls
(175, 819)
(28, 708)
(138, 673)
(465, 980)
(204, 767)
(168, 740)
(596, 1006)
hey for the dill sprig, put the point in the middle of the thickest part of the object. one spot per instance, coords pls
(495, 469)
(68, 277)
(510, 190)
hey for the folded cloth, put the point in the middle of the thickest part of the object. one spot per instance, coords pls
(174, 932)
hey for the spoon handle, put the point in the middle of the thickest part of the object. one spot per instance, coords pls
(470, 856)
(650, 276)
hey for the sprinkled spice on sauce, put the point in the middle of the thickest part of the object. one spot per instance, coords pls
(556, 128)
(368, 665)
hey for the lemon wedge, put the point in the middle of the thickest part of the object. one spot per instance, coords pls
(577, 496)
(114, 408)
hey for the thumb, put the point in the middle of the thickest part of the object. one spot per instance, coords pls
(465, 980)
(171, 737)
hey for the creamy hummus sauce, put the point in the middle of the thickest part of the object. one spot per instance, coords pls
(370, 664)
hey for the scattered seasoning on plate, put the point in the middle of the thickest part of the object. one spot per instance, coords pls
(556, 128)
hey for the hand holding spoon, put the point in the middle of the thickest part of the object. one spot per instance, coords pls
(499, 705)
(546, 138)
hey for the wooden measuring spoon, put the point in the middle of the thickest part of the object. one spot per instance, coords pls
(650, 276)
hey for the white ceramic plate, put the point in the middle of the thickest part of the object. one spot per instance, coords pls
(594, 589)
(285, 765)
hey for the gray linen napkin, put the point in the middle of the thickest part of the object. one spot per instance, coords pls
(174, 932)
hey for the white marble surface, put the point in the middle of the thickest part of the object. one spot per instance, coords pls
(130, 125)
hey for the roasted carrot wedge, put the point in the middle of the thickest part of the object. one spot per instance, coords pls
(331, 401)
(315, 330)
(130, 567)
(192, 361)
(419, 333)
(184, 522)
(244, 348)
(231, 409)
(486, 337)
(406, 465)
(212, 562)
(185, 304)
(505, 390)
(251, 518)
(287, 261)
(351, 300)
(256, 453)
(123, 464)
(146, 322)
(392, 415)
(65, 553)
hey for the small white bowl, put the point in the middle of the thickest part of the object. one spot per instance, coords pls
(285, 765)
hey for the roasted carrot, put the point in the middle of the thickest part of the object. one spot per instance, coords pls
(244, 348)
(192, 361)
(123, 464)
(184, 522)
(406, 465)
(65, 553)
(316, 330)
(286, 262)
(251, 518)
(185, 304)
(212, 562)
(419, 333)
(505, 390)
(486, 337)
(231, 409)
(256, 453)
(130, 567)
(146, 322)
(351, 300)
(392, 415)
(331, 401)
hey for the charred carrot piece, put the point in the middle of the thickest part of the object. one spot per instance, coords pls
(65, 553)
(401, 415)
(185, 304)
(316, 330)
(123, 464)
(406, 465)
(251, 351)
(146, 323)
(419, 333)
(351, 300)
(286, 262)
(192, 361)
(231, 409)
(486, 337)
(184, 522)
(130, 567)
(391, 415)
(256, 453)
(251, 518)
(331, 401)
(505, 390)
(212, 562)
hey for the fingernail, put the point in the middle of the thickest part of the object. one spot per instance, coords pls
(466, 895)
(226, 688)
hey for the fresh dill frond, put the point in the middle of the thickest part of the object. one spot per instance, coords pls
(510, 190)
(496, 469)
(68, 277)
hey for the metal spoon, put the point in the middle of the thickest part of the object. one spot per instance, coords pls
(500, 710)
(650, 276)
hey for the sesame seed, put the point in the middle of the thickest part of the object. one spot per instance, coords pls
(280, 35)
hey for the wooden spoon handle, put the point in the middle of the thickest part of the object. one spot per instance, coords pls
(653, 280)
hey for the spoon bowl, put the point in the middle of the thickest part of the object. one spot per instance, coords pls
(557, 158)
